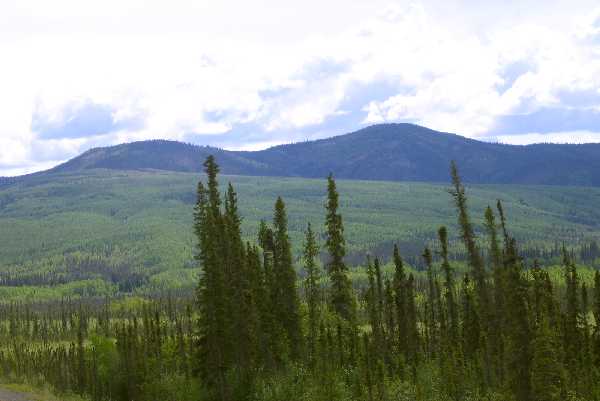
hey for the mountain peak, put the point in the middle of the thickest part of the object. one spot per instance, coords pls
(394, 152)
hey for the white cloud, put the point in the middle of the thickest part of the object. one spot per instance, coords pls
(185, 67)
(575, 137)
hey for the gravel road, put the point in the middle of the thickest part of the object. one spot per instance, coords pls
(6, 395)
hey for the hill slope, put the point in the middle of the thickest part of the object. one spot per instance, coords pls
(405, 152)
(160, 155)
(393, 152)
(98, 232)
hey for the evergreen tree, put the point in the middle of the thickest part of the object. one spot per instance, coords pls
(341, 298)
(448, 286)
(213, 321)
(586, 349)
(390, 328)
(471, 326)
(312, 290)
(451, 363)
(572, 341)
(244, 314)
(497, 297)
(478, 272)
(518, 331)
(413, 338)
(468, 236)
(400, 300)
(286, 304)
(596, 312)
(430, 306)
(547, 373)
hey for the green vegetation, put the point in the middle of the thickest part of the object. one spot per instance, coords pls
(495, 326)
(104, 232)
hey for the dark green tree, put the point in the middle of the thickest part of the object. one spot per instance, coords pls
(547, 372)
(312, 290)
(596, 312)
(286, 303)
(572, 337)
(214, 329)
(449, 295)
(341, 294)
(400, 300)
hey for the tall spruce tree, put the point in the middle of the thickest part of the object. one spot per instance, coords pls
(449, 295)
(596, 313)
(478, 272)
(496, 297)
(237, 287)
(375, 309)
(286, 303)
(469, 239)
(341, 294)
(431, 330)
(518, 330)
(400, 298)
(547, 373)
(413, 338)
(572, 337)
(214, 328)
(312, 290)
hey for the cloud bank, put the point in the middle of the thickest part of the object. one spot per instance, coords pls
(247, 75)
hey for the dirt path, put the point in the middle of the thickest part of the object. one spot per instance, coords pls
(6, 395)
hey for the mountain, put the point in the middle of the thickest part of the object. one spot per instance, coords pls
(161, 155)
(406, 152)
(394, 152)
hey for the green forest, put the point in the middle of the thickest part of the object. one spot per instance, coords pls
(492, 306)
(114, 233)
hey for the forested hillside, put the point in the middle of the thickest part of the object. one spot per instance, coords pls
(103, 232)
(393, 152)
(496, 327)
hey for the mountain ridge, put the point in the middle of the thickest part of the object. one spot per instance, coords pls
(384, 152)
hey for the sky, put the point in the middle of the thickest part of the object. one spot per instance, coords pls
(249, 74)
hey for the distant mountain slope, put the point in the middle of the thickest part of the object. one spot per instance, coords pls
(161, 155)
(405, 152)
(395, 152)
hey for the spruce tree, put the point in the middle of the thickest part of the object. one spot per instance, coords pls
(389, 318)
(400, 298)
(286, 301)
(596, 313)
(341, 294)
(312, 290)
(478, 272)
(375, 300)
(497, 296)
(547, 373)
(586, 348)
(471, 326)
(413, 338)
(430, 307)
(226, 328)
(213, 330)
(518, 343)
(469, 239)
(243, 314)
(572, 340)
(448, 286)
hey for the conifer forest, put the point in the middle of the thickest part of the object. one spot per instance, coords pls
(266, 325)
